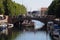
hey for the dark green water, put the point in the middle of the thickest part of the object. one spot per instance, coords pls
(39, 35)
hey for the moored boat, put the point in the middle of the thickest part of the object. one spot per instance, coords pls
(28, 25)
(4, 28)
(54, 29)
(4, 25)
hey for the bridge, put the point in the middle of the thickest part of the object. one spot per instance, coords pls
(20, 19)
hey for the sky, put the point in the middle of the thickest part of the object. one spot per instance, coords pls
(32, 5)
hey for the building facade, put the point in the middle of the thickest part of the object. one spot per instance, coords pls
(43, 11)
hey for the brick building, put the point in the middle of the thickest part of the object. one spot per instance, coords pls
(43, 11)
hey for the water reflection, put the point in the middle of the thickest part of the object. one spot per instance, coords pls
(3, 37)
(18, 35)
(13, 35)
(40, 35)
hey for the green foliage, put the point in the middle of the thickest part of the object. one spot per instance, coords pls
(8, 7)
(54, 8)
(1, 7)
(19, 9)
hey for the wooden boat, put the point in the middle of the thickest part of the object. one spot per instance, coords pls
(28, 25)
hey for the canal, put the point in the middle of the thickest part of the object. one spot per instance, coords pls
(39, 35)
(27, 35)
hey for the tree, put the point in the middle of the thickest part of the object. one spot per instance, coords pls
(8, 7)
(54, 8)
(1, 7)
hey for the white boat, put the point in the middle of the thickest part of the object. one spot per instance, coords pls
(4, 28)
(4, 24)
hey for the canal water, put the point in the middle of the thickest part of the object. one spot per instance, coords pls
(39, 35)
